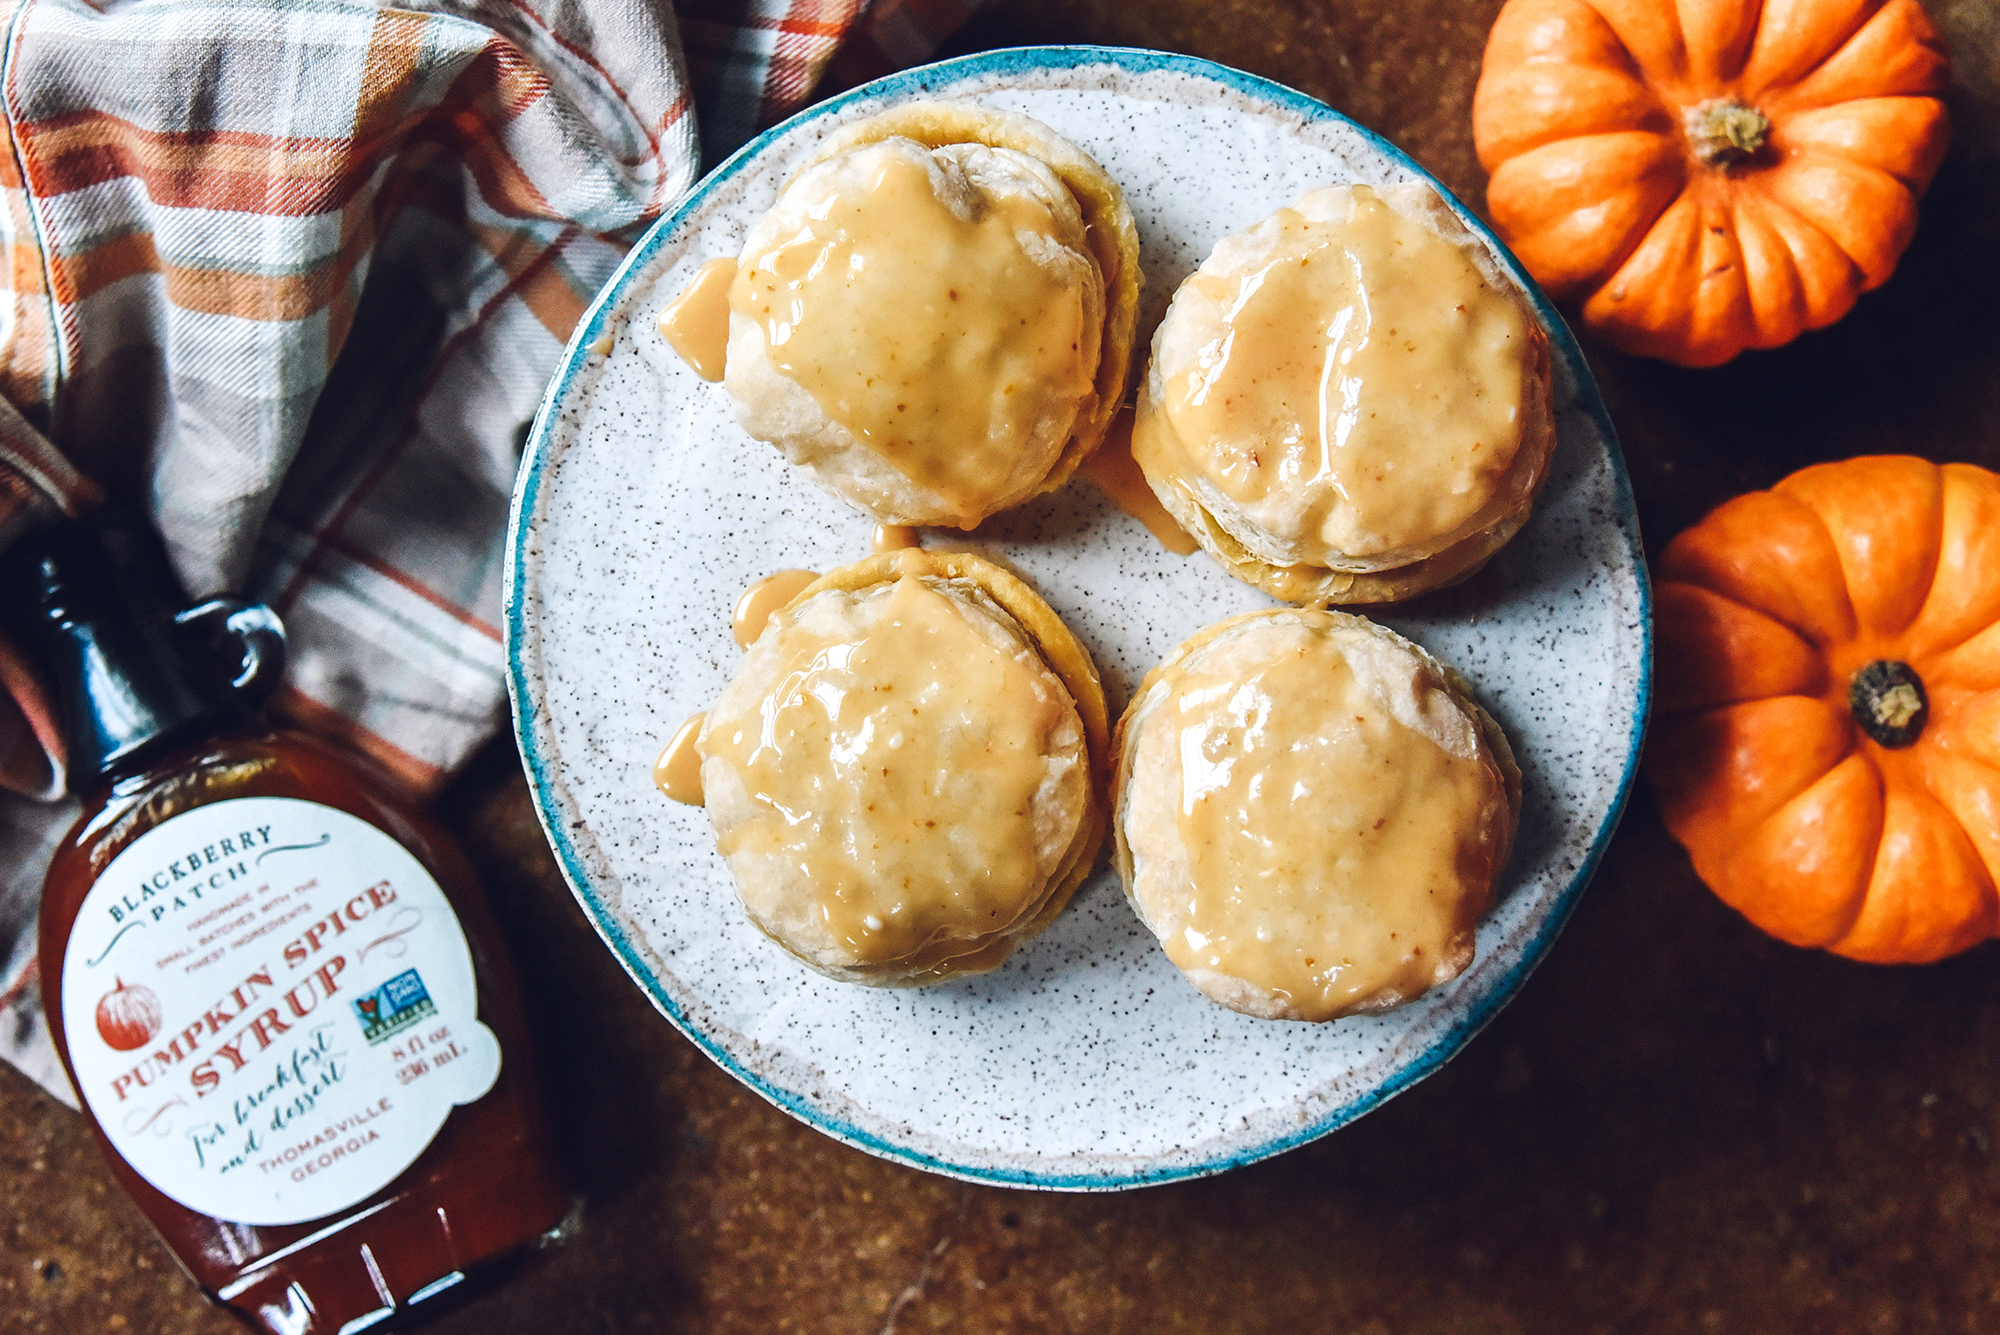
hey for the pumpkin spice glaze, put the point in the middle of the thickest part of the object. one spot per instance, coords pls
(1311, 814)
(901, 775)
(696, 324)
(934, 319)
(1301, 402)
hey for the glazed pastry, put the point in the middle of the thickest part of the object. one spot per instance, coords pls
(936, 316)
(1311, 814)
(901, 775)
(1349, 402)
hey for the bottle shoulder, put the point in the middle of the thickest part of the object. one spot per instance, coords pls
(265, 762)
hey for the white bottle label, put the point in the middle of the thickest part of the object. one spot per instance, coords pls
(270, 1009)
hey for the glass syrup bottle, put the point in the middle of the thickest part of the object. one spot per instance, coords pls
(273, 980)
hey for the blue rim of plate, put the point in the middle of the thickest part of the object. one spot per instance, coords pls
(527, 492)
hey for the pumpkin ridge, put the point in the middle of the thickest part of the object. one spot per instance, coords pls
(1905, 126)
(1819, 156)
(1868, 214)
(1773, 279)
(1716, 55)
(1889, 476)
(1833, 543)
(1805, 633)
(1699, 555)
(1934, 664)
(1834, 298)
(1926, 758)
(1648, 302)
(1915, 64)
(1892, 927)
(1534, 105)
(1740, 885)
(1662, 64)
(1633, 241)
(1703, 748)
(1805, 57)
(1689, 616)
(1955, 634)
(1524, 228)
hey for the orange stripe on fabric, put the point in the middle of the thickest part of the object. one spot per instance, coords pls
(221, 172)
(86, 272)
(420, 778)
(227, 292)
(683, 102)
(729, 16)
(24, 259)
(387, 74)
(250, 296)
(361, 556)
(236, 172)
(223, 150)
(818, 21)
(511, 81)
(754, 23)
(502, 183)
(805, 43)
(234, 138)
(546, 293)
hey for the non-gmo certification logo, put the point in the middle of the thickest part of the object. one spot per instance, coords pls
(393, 1007)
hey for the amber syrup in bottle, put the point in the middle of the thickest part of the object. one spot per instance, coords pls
(272, 979)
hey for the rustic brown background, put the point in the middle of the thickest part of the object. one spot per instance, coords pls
(1678, 1125)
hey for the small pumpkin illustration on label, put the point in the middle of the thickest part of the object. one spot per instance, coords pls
(128, 1015)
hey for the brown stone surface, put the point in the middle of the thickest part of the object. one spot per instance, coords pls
(1678, 1126)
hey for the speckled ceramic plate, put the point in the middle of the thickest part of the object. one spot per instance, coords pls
(1086, 1062)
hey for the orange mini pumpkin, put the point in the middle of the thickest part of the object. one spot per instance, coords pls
(1705, 176)
(1827, 734)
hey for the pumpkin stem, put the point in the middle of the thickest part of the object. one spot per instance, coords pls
(1888, 702)
(1725, 133)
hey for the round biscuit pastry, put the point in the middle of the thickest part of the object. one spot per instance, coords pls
(936, 316)
(1349, 402)
(904, 775)
(1311, 813)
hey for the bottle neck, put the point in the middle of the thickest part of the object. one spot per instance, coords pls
(96, 602)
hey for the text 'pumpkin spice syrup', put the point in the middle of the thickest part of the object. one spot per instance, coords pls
(272, 980)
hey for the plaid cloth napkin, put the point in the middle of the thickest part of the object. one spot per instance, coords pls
(293, 275)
